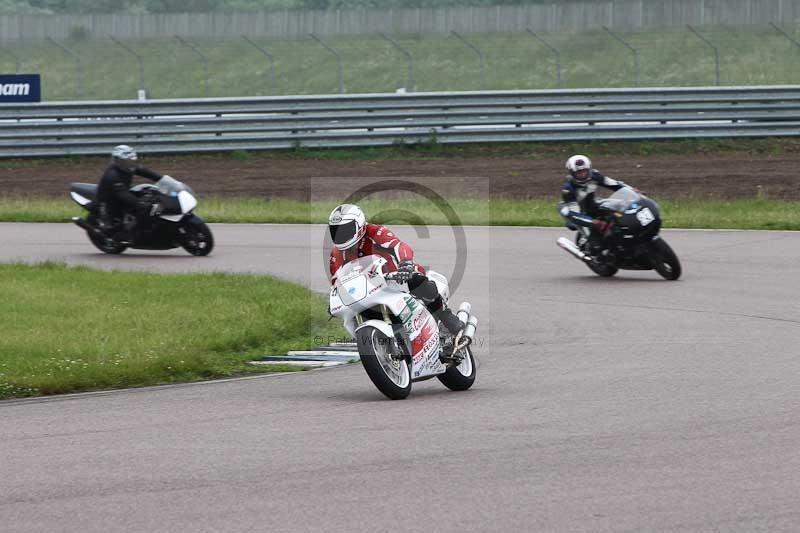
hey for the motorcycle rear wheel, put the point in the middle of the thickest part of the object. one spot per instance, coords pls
(460, 377)
(106, 244)
(604, 270)
(390, 375)
(665, 261)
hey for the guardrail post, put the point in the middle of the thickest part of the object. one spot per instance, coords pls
(78, 71)
(783, 32)
(203, 58)
(270, 58)
(714, 48)
(410, 82)
(478, 52)
(338, 60)
(555, 52)
(139, 59)
(633, 51)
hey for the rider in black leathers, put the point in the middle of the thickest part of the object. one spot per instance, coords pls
(114, 198)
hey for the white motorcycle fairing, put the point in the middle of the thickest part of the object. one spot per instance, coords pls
(361, 286)
(171, 187)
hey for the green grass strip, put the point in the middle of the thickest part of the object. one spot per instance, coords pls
(66, 329)
(755, 213)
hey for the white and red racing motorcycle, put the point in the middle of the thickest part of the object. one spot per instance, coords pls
(399, 340)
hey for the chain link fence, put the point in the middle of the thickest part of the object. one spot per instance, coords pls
(178, 67)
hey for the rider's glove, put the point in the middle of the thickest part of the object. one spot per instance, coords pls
(601, 225)
(405, 271)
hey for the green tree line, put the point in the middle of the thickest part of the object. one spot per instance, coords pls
(176, 6)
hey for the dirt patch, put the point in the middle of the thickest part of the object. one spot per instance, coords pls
(725, 175)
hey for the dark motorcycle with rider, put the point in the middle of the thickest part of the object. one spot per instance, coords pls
(618, 232)
(158, 216)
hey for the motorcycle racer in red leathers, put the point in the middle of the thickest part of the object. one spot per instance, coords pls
(353, 237)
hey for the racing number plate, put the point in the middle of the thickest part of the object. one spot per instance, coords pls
(645, 216)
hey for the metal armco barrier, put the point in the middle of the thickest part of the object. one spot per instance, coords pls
(220, 124)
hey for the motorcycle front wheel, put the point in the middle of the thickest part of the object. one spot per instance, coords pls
(390, 374)
(196, 238)
(665, 261)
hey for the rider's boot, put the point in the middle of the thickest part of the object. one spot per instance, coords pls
(125, 234)
(450, 321)
(455, 327)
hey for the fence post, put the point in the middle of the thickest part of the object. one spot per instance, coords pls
(410, 82)
(138, 57)
(633, 51)
(477, 51)
(203, 58)
(555, 52)
(78, 71)
(714, 48)
(338, 60)
(271, 60)
(783, 32)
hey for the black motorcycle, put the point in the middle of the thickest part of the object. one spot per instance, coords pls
(632, 241)
(175, 226)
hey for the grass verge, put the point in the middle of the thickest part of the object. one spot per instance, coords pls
(755, 213)
(68, 329)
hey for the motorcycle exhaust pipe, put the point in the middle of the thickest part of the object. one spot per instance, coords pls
(463, 312)
(470, 323)
(81, 223)
(570, 247)
(469, 330)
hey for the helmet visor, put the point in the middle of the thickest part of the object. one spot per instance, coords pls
(581, 175)
(342, 233)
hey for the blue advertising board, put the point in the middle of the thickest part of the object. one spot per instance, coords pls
(20, 88)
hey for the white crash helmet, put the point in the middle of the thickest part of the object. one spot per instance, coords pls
(576, 164)
(347, 225)
(124, 155)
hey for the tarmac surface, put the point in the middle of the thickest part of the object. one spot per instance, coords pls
(620, 404)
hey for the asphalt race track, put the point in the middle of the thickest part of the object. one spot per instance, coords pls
(622, 404)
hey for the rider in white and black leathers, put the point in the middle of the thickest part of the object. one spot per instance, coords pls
(578, 205)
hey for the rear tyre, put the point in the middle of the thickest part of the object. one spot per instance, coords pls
(460, 377)
(196, 238)
(604, 270)
(106, 244)
(665, 261)
(392, 376)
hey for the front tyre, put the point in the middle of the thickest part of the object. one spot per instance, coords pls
(196, 237)
(665, 261)
(392, 376)
(460, 377)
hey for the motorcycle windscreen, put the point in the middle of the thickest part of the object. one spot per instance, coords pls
(353, 290)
